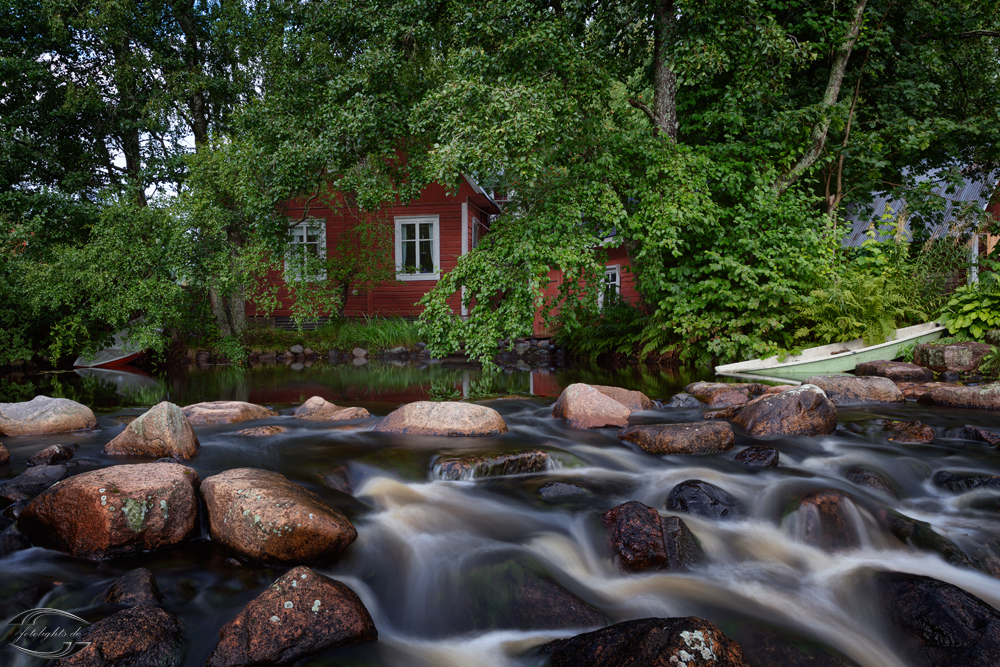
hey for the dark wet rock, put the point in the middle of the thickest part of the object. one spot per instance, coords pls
(910, 432)
(897, 371)
(950, 376)
(443, 419)
(319, 409)
(555, 492)
(850, 390)
(643, 540)
(953, 357)
(261, 431)
(649, 642)
(874, 481)
(477, 466)
(723, 413)
(768, 647)
(635, 401)
(141, 636)
(937, 623)
(827, 522)
(43, 415)
(163, 431)
(225, 412)
(338, 479)
(136, 587)
(30, 483)
(690, 438)
(703, 499)
(724, 394)
(51, 455)
(914, 390)
(14, 510)
(301, 614)
(683, 400)
(126, 419)
(263, 516)
(12, 540)
(921, 535)
(805, 410)
(4, 455)
(962, 482)
(759, 457)
(980, 435)
(583, 406)
(114, 511)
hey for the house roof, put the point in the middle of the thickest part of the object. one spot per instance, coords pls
(481, 198)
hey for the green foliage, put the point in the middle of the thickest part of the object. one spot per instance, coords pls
(972, 310)
(990, 364)
(618, 328)
(370, 333)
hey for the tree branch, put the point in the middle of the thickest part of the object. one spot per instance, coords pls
(978, 33)
(643, 108)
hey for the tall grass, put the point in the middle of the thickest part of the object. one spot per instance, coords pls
(370, 332)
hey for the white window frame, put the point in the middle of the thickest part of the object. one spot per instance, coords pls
(435, 246)
(291, 274)
(617, 269)
(475, 231)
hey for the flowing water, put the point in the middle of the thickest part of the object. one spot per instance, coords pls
(435, 559)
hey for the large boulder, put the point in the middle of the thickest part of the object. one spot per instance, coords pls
(583, 406)
(703, 499)
(985, 397)
(955, 357)
(445, 419)
(225, 412)
(805, 410)
(161, 432)
(299, 615)
(643, 540)
(45, 415)
(849, 390)
(724, 394)
(141, 635)
(319, 409)
(827, 521)
(689, 438)
(937, 623)
(635, 401)
(114, 511)
(477, 466)
(263, 516)
(897, 371)
(648, 642)
(30, 483)
(964, 482)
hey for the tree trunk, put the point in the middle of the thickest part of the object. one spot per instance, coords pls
(218, 302)
(663, 115)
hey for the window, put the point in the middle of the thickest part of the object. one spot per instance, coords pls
(306, 251)
(475, 232)
(611, 287)
(418, 248)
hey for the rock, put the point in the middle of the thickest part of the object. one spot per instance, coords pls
(767, 647)
(874, 481)
(544, 344)
(954, 357)
(225, 412)
(142, 636)
(203, 356)
(263, 516)
(962, 482)
(445, 419)
(703, 499)
(135, 588)
(45, 415)
(582, 406)
(977, 434)
(992, 337)
(683, 400)
(126, 419)
(897, 371)
(30, 483)
(938, 623)
(848, 390)
(12, 540)
(359, 352)
(914, 390)
(320, 410)
(724, 394)
(648, 642)
(689, 438)
(520, 349)
(805, 410)
(399, 351)
(826, 521)
(301, 614)
(477, 466)
(635, 401)
(759, 457)
(985, 397)
(261, 431)
(4, 455)
(161, 432)
(921, 535)
(909, 431)
(114, 511)
(51, 455)
(642, 540)
(296, 349)
(555, 492)
(338, 479)
(950, 376)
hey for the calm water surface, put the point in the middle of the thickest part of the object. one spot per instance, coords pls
(434, 558)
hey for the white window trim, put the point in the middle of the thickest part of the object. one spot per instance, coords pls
(617, 268)
(435, 246)
(475, 232)
(309, 223)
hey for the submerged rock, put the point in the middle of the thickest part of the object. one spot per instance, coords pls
(874, 481)
(683, 400)
(827, 521)
(649, 642)
(261, 431)
(690, 438)
(140, 635)
(912, 432)
(953, 357)
(161, 432)
(263, 516)
(225, 412)
(922, 536)
(849, 390)
(980, 435)
(43, 415)
(555, 492)
(477, 466)
(114, 511)
(319, 409)
(51, 455)
(30, 483)
(636, 401)
(443, 419)
(136, 587)
(643, 540)
(805, 410)
(703, 499)
(583, 406)
(962, 482)
(338, 479)
(768, 647)
(759, 456)
(724, 394)
(301, 614)
(897, 371)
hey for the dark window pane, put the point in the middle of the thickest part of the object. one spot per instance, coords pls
(426, 231)
(409, 231)
(409, 255)
(426, 258)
